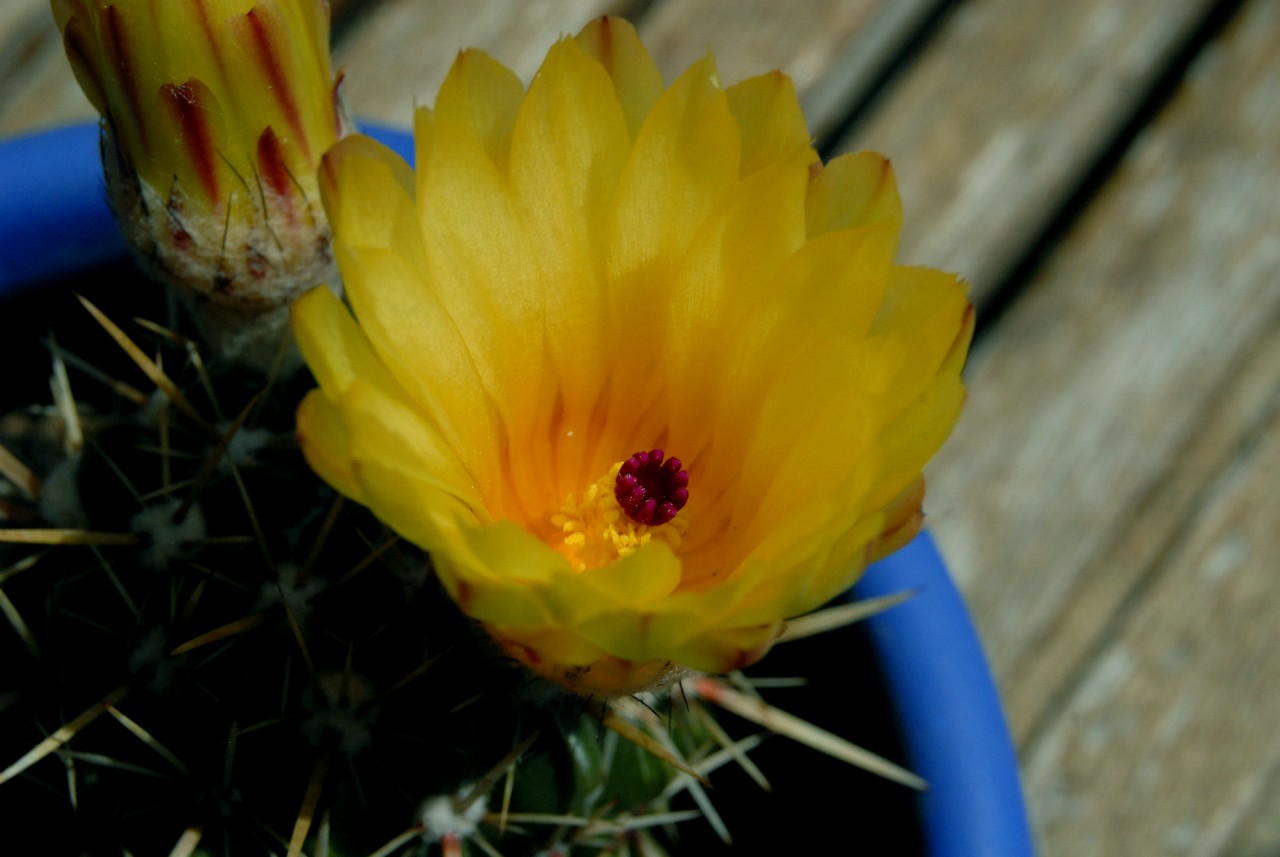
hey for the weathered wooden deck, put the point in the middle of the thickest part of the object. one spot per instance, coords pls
(1106, 173)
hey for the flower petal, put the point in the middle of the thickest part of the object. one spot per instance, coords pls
(334, 346)
(910, 441)
(364, 186)
(368, 192)
(854, 190)
(685, 156)
(792, 379)
(484, 96)
(923, 314)
(723, 282)
(636, 79)
(475, 232)
(326, 444)
(772, 124)
(388, 432)
(570, 145)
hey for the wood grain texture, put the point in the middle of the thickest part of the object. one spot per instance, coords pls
(1185, 694)
(397, 54)
(1258, 834)
(36, 85)
(992, 129)
(1113, 584)
(1108, 502)
(834, 50)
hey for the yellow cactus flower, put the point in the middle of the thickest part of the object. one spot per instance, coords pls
(215, 115)
(630, 362)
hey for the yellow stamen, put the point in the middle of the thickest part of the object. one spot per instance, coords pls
(597, 531)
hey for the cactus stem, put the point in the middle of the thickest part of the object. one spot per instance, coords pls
(486, 783)
(735, 751)
(323, 536)
(60, 385)
(192, 349)
(126, 391)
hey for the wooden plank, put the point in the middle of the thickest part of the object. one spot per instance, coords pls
(1108, 501)
(36, 85)
(1115, 582)
(1258, 834)
(1184, 697)
(1077, 460)
(834, 50)
(1006, 111)
(397, 54)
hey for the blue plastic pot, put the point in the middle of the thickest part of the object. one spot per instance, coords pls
(54, 221)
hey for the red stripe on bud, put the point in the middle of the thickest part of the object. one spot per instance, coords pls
(188, 113)
(272, 166)
(269, 58)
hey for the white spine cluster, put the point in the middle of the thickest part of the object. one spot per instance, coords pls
(441, 815)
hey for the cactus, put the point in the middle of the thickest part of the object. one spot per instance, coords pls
(215, 651)
(211, 652)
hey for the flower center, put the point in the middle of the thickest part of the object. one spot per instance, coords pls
(651, 490)
(622, 511)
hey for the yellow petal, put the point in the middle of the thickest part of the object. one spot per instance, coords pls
(570, 145)
(725, 277)
(854, 190)
(903, 519)
(327, 445)
(635, 76)
(911, 440)
(474, 232)
(923, 314)
(389, 433)
(334, 346)
(504, 551)
(365, 187)
(685, 156)
(484, 96)
(772, 125)
(368, 191)
(637, 580)
(555, 652)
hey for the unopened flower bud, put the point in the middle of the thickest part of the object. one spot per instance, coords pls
(215, 114)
